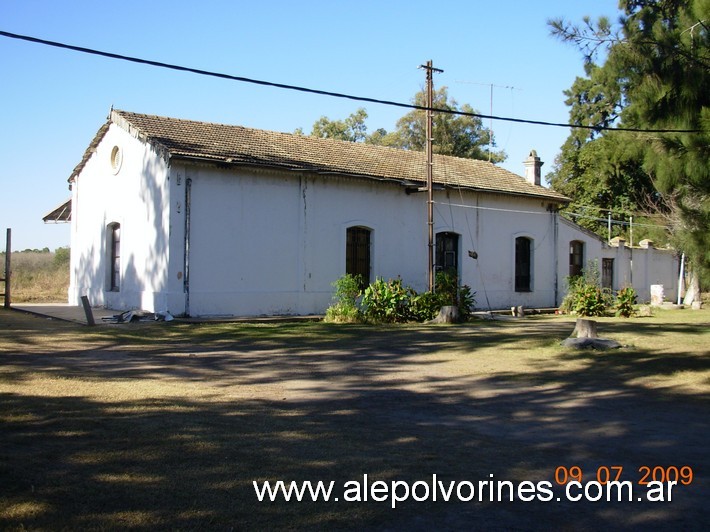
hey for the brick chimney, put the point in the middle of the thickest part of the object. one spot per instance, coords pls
(533, 167)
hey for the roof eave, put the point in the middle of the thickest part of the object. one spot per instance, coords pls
(90, 150)
(61, 214)
(219, 161)
(408, 183)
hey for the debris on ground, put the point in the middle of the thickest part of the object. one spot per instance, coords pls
(132, 316)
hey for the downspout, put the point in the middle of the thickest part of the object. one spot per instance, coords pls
(186, 278)
(556, 236)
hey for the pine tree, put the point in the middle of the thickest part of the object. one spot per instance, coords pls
(654, 76)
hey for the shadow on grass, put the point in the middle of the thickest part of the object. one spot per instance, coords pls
(189, 462)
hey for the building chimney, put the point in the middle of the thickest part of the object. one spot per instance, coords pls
(533, 166)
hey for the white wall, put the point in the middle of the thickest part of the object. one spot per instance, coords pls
(489, 224)
(272, 243)
(637, 267)
(267, 242)
(655, 266)
(136, 196)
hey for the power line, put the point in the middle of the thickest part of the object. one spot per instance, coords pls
(497, 209)
(323, 92)
(613, 221)
(563, 213)
(610, 211)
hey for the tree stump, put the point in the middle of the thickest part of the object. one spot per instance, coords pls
(447, 314)
(585, 329)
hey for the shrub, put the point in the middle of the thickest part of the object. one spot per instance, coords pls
(589, 301)
(585, 297)
(625, 301)
(447, 287)
(340, 313)
(467, 302)
(425, 306)
(574, 287)
(392, 302)
(450, 293)
(345, 307)
(388, 301)
(61, 257)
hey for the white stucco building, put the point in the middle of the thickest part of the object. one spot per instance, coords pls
(207, 219)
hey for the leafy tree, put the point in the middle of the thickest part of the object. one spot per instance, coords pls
(457, 135)
(654, 75)
(602, 175)
(352, 129)
(62, 257)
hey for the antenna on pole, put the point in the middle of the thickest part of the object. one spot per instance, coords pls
(430, 164)
(490, 127)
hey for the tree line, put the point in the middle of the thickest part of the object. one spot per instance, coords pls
(650, 70)
(456, 135)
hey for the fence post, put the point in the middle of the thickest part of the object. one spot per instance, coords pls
(8, 268)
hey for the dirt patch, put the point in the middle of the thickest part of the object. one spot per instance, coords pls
(167, 426)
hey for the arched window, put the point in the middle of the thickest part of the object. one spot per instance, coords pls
(357, 253)
(523, 264)
(576, 258)
(114, 255)
(447, 252)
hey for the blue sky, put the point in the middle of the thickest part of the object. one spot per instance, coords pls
(53, 101)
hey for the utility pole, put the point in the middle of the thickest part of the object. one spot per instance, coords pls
(608, 227)
(430, 163)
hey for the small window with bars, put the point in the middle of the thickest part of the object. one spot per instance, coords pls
(447, 252)
(357, 253)
(114, 234)
(523, 264)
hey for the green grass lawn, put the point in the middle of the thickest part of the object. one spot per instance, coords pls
(166, 425)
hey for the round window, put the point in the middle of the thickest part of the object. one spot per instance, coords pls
(116, 159)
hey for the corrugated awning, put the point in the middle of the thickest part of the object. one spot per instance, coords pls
(60, 215)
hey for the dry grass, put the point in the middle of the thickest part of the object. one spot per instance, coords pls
(39, 276)
(165, 426)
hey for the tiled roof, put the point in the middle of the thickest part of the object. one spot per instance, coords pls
(240, 145)
(89, 151)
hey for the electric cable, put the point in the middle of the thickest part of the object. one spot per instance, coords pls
(243, 79)
(564, 213)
